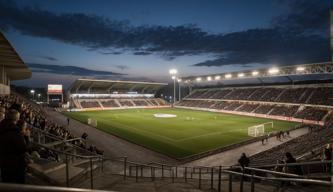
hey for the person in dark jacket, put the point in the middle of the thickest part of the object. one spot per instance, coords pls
(295, 169)
(244, 161)
(12, 149)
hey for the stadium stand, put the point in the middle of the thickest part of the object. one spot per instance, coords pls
(88, 94)
(310, 103)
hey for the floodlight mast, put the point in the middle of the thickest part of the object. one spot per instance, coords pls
(173, 73)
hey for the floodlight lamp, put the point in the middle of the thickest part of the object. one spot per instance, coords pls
(273, 70)
(240, 74)
(228, 76)
(300, 68)
(173, 71)
(173, 77)
(198, 79)
(255, 73)
(217, 77)
(179, 80)
(209, 78)
(32, 91)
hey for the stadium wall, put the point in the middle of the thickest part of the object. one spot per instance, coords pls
(119, 108)
(292, 119)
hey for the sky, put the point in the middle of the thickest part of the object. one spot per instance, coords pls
(62, 40)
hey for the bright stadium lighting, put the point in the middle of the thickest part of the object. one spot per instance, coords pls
(273, 70)
(240, 75)
(300, 68)
(255, 73)
(228, 76)
(217, 77)
(179, 80)
(209, 78)
(173, 71)
(32, 91)
(198, 79)
(173, 77)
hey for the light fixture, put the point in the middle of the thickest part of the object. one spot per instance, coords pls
(198, 78)
(173, 71)
(228, 76)
(240, 75)
(217, 77)
(300, 68)
(209, 78)
(179, 80)
(255, 73)
(273, 70)
(173, 77)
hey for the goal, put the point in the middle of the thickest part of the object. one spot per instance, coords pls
(259, 130)
(92, 122)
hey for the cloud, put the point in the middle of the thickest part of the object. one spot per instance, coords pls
(297, 37)
(69, 70)
(122, 67)
(49, 58)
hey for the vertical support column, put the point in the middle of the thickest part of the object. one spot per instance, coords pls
(125, 167)
(220, 176)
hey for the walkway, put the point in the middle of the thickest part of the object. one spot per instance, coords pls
(231, 157)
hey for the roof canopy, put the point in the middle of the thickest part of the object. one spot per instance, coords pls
(15, 68)
(108, 86)
(282, 71)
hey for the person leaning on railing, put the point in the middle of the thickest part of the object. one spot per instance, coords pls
(13, 147)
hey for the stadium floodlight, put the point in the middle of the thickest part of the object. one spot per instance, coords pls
(209, 78)
(228, 76)
(240, 75)
(198, 79)
(273, 70)
(255, 73)
(33, 94)
(173, 71)
(300, 68)
(179, 80)
(217, 77)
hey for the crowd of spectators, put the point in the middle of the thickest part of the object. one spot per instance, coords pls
(18, 121)
(306, 95)
(307, 113)
(94, 103)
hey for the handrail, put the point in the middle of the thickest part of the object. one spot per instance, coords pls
(36, 188)
(70, 154)
(272, 172)
(310, 181)
(292, 164)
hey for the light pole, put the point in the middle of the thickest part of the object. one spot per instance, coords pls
(38, 96)
(33, 94)
(173, 73)
(179, 93)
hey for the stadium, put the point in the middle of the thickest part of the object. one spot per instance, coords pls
(264, 129)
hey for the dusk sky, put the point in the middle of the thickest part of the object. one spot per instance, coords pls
(62, 40)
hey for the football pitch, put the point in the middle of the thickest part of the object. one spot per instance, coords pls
(189, 133)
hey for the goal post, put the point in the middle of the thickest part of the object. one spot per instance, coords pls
(259, 130)
(92, 122)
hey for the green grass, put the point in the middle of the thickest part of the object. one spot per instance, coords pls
(189, 133)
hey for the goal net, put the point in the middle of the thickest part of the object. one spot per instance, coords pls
(92, 122)
(259, 130)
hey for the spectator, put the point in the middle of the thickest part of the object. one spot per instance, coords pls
(328, 157)
(295, 169)
(12, 149)
(2, 113)
(244, 161)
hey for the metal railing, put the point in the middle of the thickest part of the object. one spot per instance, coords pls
(96, 165)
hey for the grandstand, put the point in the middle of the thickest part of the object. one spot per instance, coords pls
(63, 157)
(91, 94)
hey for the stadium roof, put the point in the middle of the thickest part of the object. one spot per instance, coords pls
(109, 86)
(302, 69)
(15, 68)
